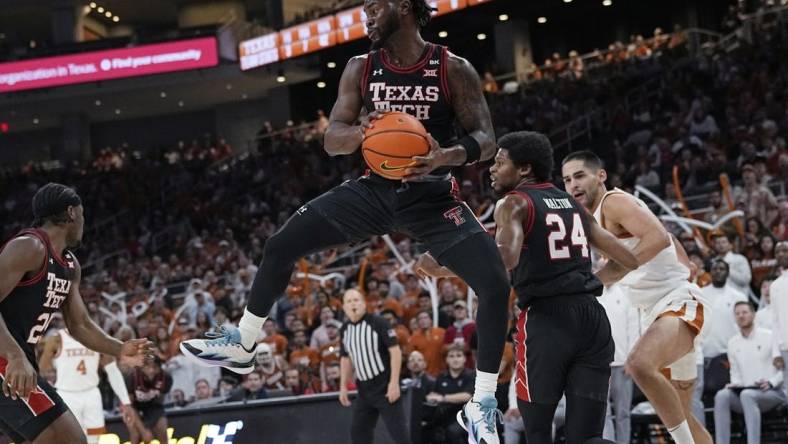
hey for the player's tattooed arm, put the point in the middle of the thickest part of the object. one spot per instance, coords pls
(343, 136)
(510, 213)
(470, 109)
(470, 106)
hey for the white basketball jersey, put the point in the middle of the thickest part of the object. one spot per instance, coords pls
(76, 365)
(656, 278)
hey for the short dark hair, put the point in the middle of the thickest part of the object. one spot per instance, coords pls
(530, 148)
(747, 303)
(454, 347)
(589, 158)
(51, 202)
(720, 261)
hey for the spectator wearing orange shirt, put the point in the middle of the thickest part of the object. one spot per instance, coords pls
(403, 334)
(277, 341)
(301, 354)
(429, 341)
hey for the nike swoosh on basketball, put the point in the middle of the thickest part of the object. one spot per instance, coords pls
(385, 166)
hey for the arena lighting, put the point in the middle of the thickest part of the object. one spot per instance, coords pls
(567, 1)
(35, 120)
(107, 14)
(542, 20)
(100, 9)
(97, 102)
(180, 103)
(229, 86)
(117, 110)
(443, 34)
(281, 78)
(481, 36)
(321, 85)
(503, 17)
(163, 95)
(607, 2)
(116, 19)
(331, 65)
(93, 5)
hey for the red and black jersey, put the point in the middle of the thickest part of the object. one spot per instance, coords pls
(555, 259)
(148, 392)
(28, 309)
(420, 90)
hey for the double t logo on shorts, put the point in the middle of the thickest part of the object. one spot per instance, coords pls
(455, 215)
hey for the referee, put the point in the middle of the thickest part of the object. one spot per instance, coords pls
(369, 345)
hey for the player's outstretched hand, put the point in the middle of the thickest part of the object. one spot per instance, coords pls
(20, 378)
(426, 266)
(423, 165)
(129, 415)
(136, 352)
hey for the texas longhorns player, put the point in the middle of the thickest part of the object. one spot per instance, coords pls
(659, 287)
(77, 381)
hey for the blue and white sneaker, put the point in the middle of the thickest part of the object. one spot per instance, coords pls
(480, 420)
(221, 349)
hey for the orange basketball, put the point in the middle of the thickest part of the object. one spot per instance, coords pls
(391, 143)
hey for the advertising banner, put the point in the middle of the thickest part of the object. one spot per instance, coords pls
(110, 64)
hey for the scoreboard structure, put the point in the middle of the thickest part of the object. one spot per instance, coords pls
(325, 32)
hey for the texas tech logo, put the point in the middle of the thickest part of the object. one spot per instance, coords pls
(414, 100)
(455, 215)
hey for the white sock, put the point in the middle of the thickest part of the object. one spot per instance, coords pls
(250, 326)
(681, 434)
(486, 383)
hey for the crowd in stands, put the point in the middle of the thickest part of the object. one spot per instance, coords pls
(178, 232)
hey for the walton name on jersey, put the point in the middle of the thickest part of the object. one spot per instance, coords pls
(384, 95)
(558, 204)
(57, 290)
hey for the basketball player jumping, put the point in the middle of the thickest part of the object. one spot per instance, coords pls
(39, 275)
(564, 343)
(401, 73)
(77, 380)
(672, 305)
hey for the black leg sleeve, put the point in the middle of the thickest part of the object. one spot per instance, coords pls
(393, 416)
(538, 421)
(476, 261)
(304, 233)
(585, 420)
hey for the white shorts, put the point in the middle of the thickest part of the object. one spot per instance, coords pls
(686, 304)
(87, 408)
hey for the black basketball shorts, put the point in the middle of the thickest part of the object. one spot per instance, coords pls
(563, 345)
(428, 212)
(24, 419)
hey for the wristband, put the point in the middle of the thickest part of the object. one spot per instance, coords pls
(473, 152)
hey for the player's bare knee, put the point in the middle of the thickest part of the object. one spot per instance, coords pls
(638, 366)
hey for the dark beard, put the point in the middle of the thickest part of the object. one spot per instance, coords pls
(385, 33)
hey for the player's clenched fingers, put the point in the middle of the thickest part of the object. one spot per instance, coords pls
(28, 386)
(7, 389)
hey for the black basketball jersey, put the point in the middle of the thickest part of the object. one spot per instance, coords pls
(28, 309)
(420, 90)
(555, 259)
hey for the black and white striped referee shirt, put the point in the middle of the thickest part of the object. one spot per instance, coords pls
(367, 343)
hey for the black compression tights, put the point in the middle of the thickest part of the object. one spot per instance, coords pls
(304, 233)
(585, 420)
(476, 261)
